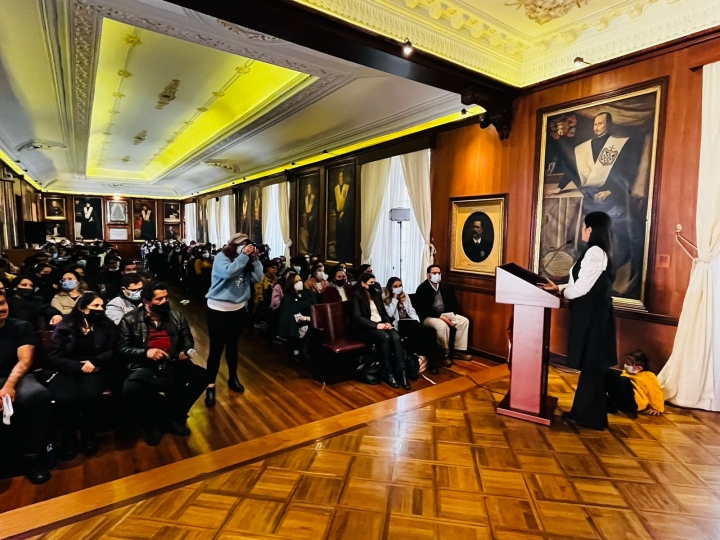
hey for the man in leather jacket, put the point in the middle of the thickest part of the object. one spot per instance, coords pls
(163, 383)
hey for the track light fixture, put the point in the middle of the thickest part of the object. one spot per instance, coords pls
(407, 47)
(580, 62)
(484, 120)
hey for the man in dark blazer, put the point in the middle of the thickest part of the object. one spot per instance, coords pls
(437, 307)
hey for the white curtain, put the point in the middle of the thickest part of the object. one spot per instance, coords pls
(416, 169)
(272, 218)
(190, 222)
(220, 213)
(691, 378)
(388, 249)
(284, 211)
(374, 180)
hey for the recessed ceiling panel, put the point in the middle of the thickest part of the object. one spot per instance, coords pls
(158, 100)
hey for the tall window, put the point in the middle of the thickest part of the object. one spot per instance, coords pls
(191, 222)
(271, 216)
(220, 219)
(391, 256)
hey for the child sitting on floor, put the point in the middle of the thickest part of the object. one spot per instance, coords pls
(634, 389)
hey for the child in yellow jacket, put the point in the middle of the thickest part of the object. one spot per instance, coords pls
(636, 388)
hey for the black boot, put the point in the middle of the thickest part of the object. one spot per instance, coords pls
(68, 450)
(35, 469)
(234, 384)
(178, 427)
(210, 396)
(403, 381)
(89, 443)
(390, 380)
(153, 436)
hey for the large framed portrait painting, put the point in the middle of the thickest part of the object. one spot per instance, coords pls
(144, 220)
(88, 218)
(309, 214)
(600, 154)
(477, 234)
(340, 190)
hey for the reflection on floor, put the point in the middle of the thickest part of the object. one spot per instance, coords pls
(454, 470)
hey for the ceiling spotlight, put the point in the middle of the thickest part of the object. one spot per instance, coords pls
(484, 120)
(463, 112)
(325, 151)
(293, 163)
(580, 62)
(407, 47)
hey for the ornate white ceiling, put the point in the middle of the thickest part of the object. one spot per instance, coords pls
(59, 82)
(523, 42)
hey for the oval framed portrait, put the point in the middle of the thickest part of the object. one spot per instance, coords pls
(477, 234)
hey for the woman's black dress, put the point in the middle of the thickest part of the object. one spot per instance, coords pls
(592, 349)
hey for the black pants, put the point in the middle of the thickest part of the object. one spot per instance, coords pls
(421, 339)
(620, 393)
(77, 398)
(224, 328)
(589, 406)
(184, 383)
(389, 346)
(31, 412)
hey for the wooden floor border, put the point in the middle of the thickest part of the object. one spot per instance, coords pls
(60, 511)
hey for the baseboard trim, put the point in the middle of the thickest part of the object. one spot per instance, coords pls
(488, 355)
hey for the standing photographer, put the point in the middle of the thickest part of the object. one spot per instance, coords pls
(235, 271)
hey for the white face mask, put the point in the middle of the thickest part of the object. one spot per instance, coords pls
(321, 275)
(435, 278)
(206, 255)
(299, 286)
(297, 269)
(397, 290)
(632, 369)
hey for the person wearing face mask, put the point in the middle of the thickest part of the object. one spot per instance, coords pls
(47, 281)
(156, 343)
(420, 339)
(263, 289)
(300, 266)
(70, 285)
(317, 282)
(27, 305)
(295, 310)
(235, 272)
(108, 280)
(438, 308)
(127, 300)
(203, 270)
(339, 290)
(374, 327)
(80, 365)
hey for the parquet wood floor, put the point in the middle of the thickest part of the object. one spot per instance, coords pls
(454, 470)
(279, 395)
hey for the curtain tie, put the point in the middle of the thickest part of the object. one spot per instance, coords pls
(433, 251)
(288, 243)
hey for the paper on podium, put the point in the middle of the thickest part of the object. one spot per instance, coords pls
(519, 286)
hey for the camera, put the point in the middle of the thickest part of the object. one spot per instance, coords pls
(262, 249)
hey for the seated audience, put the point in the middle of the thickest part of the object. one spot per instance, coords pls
(81, 359)
(71, 285)
(30, 400)
(635, 389)
(203, 270)
(366, 269)
(5, 274)
(263, 289)
(163, 383)
(278, 290)
(374, 326)
(317, 282)
(47, 280)
(338, 290)
(128, 267)
(420, 339)
(27, 305)
(295, 310)
(438, 308)
(299, 265)
(128, 300)
(108, 280)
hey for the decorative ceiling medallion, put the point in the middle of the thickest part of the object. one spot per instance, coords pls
(124, 74)
(168, 94)
(226, 164)
(140, 137)
(542, 11)
(133, 40)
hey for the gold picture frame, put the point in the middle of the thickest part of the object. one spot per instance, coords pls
(478, 232)
(600, 154)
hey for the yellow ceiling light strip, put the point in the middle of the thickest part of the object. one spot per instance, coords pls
(455, 117)
(9, 162)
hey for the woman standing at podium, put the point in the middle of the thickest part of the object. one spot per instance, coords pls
(591, 337)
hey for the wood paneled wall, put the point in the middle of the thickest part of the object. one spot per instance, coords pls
(471, 161)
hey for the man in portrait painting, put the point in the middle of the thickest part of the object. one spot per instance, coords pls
(605, 169)
(345, 226)
(55, 209)
(310, 209)
(476, 247)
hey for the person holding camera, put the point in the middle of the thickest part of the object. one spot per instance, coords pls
(156, 342)
(235, 272)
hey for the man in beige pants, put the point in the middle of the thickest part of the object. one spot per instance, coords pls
(438, 308)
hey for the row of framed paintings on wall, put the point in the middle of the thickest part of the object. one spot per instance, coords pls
(111, 219)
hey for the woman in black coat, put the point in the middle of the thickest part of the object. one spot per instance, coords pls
(591, 337)
(27, 305)
(80, 360)
(295, 308)
(374, 326)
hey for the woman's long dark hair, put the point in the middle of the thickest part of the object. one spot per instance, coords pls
(601, 235)
(77, 317)
(366, 295)
(289, 283)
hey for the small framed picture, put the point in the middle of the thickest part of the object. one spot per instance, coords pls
(171, 232)
(171, 212)
(117, 212)
(56, 230)
(477, 234)
(54, 208)
(118, 234)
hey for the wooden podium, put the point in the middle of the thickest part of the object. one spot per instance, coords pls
(527, 398)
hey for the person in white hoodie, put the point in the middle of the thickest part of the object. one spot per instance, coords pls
(235, 271)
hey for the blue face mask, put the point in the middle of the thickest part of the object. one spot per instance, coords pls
(69, 285)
